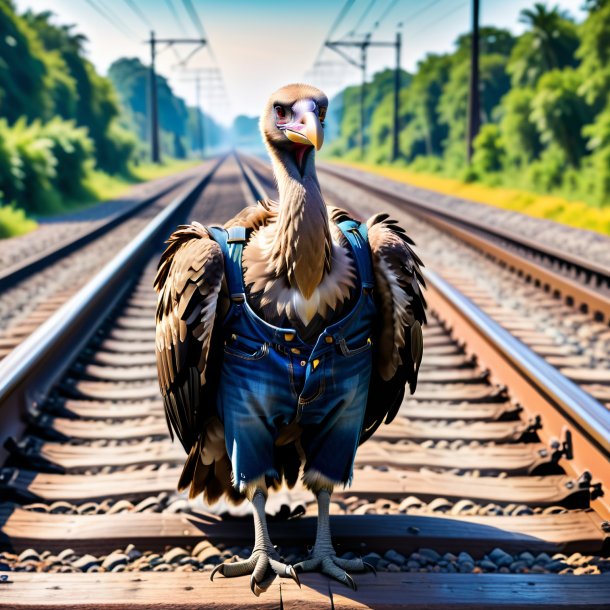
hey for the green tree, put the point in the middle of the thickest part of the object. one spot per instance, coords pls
(23, 70)
(424, 133)
(519, 133)
(549, 44)
(560, 113)
(594, 53)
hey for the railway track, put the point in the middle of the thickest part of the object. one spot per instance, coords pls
(461, 502)
(41, 270)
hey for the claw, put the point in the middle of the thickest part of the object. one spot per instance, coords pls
(290, 571)
(369, 567)
(219, 568)
(254, 586)
(350, 582)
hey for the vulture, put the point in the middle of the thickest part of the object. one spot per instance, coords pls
(284, 339)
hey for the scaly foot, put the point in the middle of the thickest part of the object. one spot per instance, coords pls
(263, 565)
(328, 563)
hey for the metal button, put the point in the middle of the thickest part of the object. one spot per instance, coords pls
(289, 336)
(329, 339)
(295, 350)
(303, 362)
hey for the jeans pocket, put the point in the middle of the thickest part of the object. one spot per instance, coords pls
(354, 351)
(245, 349)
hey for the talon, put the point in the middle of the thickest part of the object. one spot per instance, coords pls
(219, 568)
(369, 567)
(290, 571)
(350, 582)
(254, 586)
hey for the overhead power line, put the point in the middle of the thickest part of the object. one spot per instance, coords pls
(364, 15)
(188, 5)
(107, 14)
(137, 11)
(385, 13)
(435, 22)
(336, 23)
(172, 8)
(421, 11)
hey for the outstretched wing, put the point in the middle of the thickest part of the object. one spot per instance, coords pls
(189, 281)
(401, 305)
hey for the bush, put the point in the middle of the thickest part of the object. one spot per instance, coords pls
(36, 193)
(73, 152)
(489, 150)
(13, 221)
(10, 164)
(40, 164)
(119, 148)
(547, 172)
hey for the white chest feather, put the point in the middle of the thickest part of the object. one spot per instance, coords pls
(306, 309)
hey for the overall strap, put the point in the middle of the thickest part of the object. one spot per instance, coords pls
(231, 242)
(357, 235)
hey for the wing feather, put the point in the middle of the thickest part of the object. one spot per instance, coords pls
(189, 281)
(401, 305)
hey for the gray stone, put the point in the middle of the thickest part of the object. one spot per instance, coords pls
(464, 557)
(395, 557)
(113, 560)
(430, 554)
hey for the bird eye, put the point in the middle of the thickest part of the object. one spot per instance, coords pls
(280, 112)
(322, 114)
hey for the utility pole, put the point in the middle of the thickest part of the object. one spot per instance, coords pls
(474, 102)
(363, 45)
(155, 151)
(396, 123)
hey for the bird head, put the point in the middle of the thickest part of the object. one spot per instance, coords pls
(293, 122)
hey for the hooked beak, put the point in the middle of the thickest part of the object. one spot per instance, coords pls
(307, 131)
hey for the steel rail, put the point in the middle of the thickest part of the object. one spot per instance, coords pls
(485, 237)
(590, 418)
(13, 274)
(30, 370)
(582, 265)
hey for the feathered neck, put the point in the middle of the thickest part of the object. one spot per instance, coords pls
(301, 248)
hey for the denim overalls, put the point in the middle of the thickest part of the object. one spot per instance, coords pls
(270, 377)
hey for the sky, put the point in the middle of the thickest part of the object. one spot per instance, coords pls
(256, 46)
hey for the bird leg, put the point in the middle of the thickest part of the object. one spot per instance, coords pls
(264, 564)
(323, 557)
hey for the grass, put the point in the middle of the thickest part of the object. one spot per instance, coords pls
(573, 213)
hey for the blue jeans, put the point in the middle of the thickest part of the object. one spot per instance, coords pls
(270, 378)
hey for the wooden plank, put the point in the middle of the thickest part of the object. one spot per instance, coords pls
(188, 591)
(400, 429)
(104, 409)
(462, 375)
(566, 532)
(119, 373)
(517, 458)
(403, 429)
(411, 408)
(480, 392)
(66, 429)
(446, 362)
(120, 359)
(417, 409)
(368, 483)
(109, 390)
